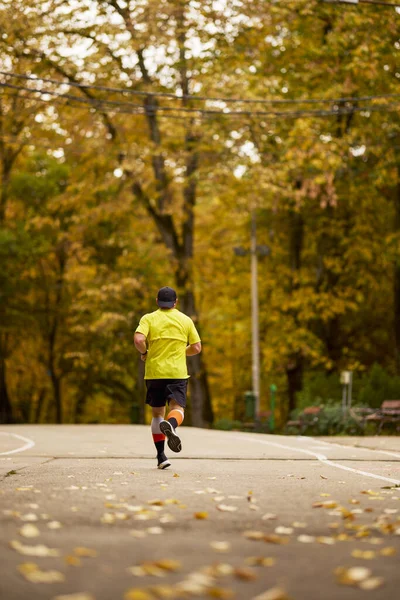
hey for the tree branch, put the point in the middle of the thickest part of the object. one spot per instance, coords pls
(164, 222)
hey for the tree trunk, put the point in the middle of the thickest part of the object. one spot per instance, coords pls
(202, 411)
(39, 405)
(294, 368)
(56, 384)
(80, 405)
(6, 416)
(294, 373)
(396, 283)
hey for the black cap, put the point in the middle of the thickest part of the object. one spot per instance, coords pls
(166, 297)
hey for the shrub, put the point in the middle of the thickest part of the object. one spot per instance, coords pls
(378, 386)
(329, 421)
(227, 424)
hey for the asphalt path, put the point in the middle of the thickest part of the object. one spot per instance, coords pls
(85, 515)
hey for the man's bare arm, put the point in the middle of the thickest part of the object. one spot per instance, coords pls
(193, 349)
(140, 342)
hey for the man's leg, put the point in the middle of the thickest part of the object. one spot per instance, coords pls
(168, 427)
(176, 413)
(158, 437)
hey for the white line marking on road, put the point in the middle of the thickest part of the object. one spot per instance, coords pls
(396, 454)
(29, 443)
(323, 459)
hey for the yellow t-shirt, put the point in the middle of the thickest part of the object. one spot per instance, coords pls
(168, 333)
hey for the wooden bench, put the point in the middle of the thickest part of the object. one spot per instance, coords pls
(258, 424)
(389, 412)
(307, 418)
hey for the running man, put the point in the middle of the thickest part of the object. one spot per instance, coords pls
(165, 338)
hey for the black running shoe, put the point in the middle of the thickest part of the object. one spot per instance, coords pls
(162, 462)
(174, 441)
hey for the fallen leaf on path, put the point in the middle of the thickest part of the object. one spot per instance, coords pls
(254, 535)
(352, 576)
(78, 596)
(137, 571)
(226, 508)
(284, 530)
(328, 541)
(218, 498)
(29, 517)
(372, 583)
(73, 561)
(108, 518)
(137, 594)
(260, 561)
(40, 550)
(306, 539)
(275, 593)
(299, 525)
(86, 552)
(54, 525)
(221, 593)
(29, 531)
(156, 502)
(218, 570)
(269, 517)
(176, 475)
(365, 554)
(151, 569)
(155, 530)
(138, 534)
(322, 477)
(163, 591)
(201, 515)
(168, 564)
(31, 572)
(245, 574)
(272, 538)
(220, 546)
(167, 519)
(196, 584)
(388, 551)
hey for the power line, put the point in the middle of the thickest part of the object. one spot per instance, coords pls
(135, 109)
(355, 2)
(201, 98)
(94, 143)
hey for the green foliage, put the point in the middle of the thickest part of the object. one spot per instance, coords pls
(378, 386)
(329, 421)
(320, 388)
(226, 424)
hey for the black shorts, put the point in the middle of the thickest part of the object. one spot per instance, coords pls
(160, 391)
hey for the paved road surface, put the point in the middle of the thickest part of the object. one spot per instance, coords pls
(97, 487)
